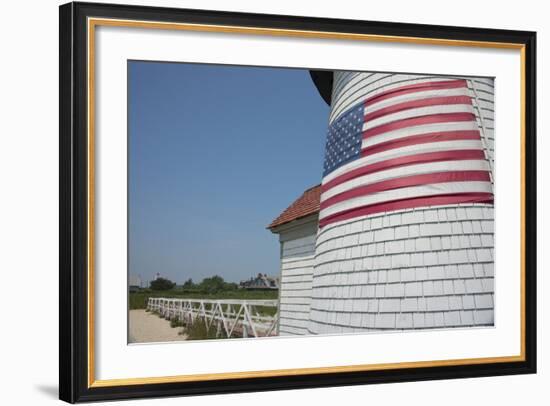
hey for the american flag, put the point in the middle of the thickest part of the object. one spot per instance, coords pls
(408, 146)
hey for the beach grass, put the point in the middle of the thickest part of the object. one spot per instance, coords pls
(138, 300)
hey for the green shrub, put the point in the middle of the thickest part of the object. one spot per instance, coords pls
(162, 284)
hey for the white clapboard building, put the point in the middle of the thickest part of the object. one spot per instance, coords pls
(402, 233)
(297, 229)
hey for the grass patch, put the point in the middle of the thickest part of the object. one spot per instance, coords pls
(176, 323)
(138, 300)
(198, 331)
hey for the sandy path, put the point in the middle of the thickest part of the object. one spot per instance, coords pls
(148, 327)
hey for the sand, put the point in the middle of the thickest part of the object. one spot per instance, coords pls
(148, 327)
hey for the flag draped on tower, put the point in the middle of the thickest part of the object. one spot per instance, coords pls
(406, 147)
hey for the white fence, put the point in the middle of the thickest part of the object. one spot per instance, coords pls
(230, 318)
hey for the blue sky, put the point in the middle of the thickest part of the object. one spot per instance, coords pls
(215, 153)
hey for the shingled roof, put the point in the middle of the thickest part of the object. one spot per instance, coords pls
(305, 205)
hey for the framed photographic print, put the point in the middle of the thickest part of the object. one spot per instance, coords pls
(257, 202)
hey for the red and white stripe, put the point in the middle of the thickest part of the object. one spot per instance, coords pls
(421, 146)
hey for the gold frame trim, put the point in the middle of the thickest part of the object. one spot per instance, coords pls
(94, 22)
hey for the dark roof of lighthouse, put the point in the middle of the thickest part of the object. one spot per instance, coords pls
(306, 204)
(323, 82)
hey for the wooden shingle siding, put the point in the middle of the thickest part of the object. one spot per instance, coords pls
(484, 109)
(440, 266)
(428, 267)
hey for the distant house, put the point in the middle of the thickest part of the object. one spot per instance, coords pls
(261, 281)
(297, 230)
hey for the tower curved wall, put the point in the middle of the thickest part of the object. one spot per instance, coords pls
(406, 221)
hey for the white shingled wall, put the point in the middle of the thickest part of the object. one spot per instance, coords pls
(411, 269)
(482, 94)
(297, 256)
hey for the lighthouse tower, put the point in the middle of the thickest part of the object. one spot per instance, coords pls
(405, 237)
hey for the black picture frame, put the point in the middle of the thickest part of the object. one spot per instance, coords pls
(74, 384)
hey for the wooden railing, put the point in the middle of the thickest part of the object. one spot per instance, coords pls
(230, 318)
